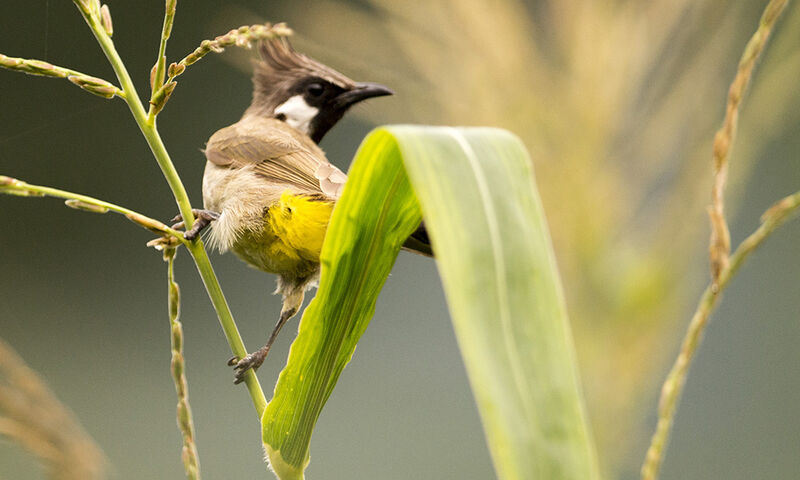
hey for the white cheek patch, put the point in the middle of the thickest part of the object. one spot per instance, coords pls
(298, 113)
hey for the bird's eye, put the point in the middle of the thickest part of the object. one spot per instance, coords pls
(315, 89)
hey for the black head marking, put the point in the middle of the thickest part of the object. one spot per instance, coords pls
(283, 74)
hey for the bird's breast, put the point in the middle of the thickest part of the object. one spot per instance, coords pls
(299, 224)
(289, 239)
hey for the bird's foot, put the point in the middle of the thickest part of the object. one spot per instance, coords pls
(251, 361)
(202, 219)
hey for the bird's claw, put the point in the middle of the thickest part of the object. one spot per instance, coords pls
(202, 219)
(250, 361)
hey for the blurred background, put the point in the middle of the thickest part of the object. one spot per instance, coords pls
(617, 102)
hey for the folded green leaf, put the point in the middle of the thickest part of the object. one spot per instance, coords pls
(370, 222)
(484, 217)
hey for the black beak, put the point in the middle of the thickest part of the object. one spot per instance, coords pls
(362, 91)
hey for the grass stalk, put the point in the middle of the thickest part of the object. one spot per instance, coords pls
(243, 36)
(673, 386)
(32, 416)
(723, 265)
(12, 186)
(153, 138)
(720, 242)
(97, 86)
(137, 110)
(191, 463)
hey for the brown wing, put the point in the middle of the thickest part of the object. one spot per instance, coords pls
(278, 153)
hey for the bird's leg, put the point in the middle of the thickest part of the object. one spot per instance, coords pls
(291, 304)
(202, 219)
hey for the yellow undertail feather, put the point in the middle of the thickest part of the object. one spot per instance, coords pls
(299, 222)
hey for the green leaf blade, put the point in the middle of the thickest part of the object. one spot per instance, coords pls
(487, 226)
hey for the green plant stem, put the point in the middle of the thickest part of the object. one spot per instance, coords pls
(673, 386)
(147, 127)
(13, 186)
(226, 321)
(196, 248)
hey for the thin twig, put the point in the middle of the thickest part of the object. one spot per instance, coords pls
(673, 385)
(244, 37)
(240, 37)
(12, 186)
(723, 266)
(720, 242)
(97, 86)
(191, 463)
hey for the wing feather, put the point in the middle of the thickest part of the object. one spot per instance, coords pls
(277, 152)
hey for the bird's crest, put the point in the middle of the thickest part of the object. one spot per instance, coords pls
(280, 62)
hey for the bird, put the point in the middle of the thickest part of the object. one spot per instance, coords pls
(268, 188)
